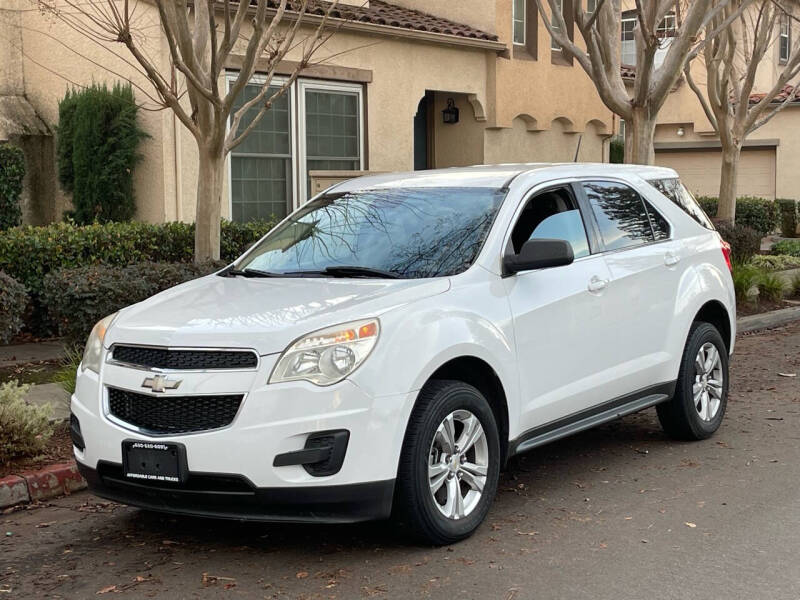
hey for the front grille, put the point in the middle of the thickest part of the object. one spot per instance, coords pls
(185, 360)
(172, 414)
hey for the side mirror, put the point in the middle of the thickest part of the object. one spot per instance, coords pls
(539, 254)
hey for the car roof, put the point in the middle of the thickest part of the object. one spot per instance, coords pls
(496, 176)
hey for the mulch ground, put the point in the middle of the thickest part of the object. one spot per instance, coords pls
(58, 449)
(762, 306)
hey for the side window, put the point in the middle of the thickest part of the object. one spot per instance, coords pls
(620, 214)
(552, 215)
(677, 192)
(658, 222)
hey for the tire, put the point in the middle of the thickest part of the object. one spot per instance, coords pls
(435, 518)
(683, 418)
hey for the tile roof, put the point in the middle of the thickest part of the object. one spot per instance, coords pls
(383, 13)
(782, 96)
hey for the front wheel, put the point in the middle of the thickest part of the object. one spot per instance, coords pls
(701, 393)
(450, 463)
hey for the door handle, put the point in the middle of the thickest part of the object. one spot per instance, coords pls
(597, 285)
(671, 259)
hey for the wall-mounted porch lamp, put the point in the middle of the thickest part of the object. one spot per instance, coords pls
(450, 114)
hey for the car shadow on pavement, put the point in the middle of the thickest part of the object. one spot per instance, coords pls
(549, 470)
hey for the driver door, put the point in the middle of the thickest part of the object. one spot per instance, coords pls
(564, 336)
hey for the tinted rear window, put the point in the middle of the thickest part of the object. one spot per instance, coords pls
(677, 192)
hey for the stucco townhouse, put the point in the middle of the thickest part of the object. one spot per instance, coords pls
(685, 139)
(406, 84)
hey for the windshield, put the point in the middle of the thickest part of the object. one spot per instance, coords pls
(406, 232)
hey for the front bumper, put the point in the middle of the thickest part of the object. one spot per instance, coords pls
(235, 497)
(273, 421)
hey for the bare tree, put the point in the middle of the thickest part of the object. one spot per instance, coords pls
(732, 60)
(202, 35)
(601, 58)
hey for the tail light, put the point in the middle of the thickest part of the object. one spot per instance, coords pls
(726, 252)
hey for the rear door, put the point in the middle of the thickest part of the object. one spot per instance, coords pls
(644, 264)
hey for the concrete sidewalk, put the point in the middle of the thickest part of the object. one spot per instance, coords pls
(20, 354)
(53, 394)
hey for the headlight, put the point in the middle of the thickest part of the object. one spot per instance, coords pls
(93, 352)
(329, 355)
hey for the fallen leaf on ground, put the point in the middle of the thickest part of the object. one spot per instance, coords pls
(301, 574)
(788, 374)
(108, 588)
(692, 525)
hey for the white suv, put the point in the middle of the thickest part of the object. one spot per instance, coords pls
(387, 347)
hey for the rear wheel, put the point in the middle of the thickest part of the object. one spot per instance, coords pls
(450, 463)
(701, 394)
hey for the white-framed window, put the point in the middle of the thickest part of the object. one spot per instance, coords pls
(591, 6)
(785, 39)
(315, 125)
(667, 27)
(554, 22)
(628, 37)
(518, 8)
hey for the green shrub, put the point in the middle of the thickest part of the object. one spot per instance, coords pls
(98, 136)
(760, 214)
(25, 428)
(745, 242)
(30, 253)
(13, 302)
(616, 152)
(790, 247)
(788, 214)
(795, 286)
(78, 298)
(775, 262)
(745, 278)
(771, 287)
(12, 172)
(68, 370)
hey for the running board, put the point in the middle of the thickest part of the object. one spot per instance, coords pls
(593, 417)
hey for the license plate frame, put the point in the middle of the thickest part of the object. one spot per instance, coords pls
(154, 462)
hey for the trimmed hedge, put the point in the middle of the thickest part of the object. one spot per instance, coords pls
(12, 172)
(29, 254)
(745, 242)
(13, 302)
(760, 214)
(78, 298)
(98, 137)
(790, 247)
(788, 211)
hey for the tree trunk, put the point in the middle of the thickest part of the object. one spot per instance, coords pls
(639, 132)
(209, 204)
(726, 207)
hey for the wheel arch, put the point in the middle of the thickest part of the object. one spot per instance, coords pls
(480, 374)
(715, 313)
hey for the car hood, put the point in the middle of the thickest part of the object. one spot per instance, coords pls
(263, 314)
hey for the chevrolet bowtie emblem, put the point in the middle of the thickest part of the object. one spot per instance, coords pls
(161, 384)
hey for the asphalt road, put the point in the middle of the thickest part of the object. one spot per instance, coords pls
(618, 512)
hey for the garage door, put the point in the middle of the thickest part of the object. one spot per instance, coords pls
(700, 170)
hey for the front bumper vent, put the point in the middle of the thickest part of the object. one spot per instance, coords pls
(184, 360)
(172, 414)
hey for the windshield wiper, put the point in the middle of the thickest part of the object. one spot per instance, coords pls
(248, 272)
(349, 271)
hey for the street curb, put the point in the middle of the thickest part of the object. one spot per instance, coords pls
(775, 318)
(44, 484)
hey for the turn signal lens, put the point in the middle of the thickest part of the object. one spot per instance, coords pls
(329, 355)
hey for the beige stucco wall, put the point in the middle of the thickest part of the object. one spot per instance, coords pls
(511, 109)
(56, 57)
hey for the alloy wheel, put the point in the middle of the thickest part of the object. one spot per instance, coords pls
(458, 464)
(708, 381)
